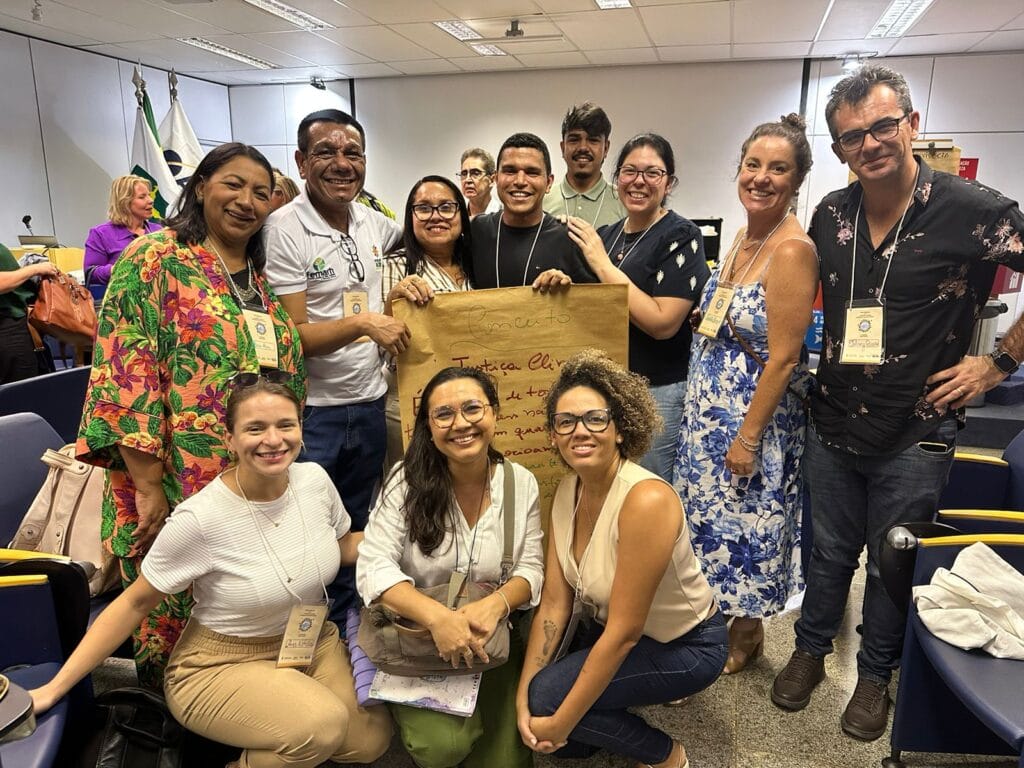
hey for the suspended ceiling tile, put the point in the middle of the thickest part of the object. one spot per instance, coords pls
(692, 24)
(486, 63)
(399, 11)
(72, 21)
(546, 46)
(332, 12)
(310, 46)
(475, 9)
(771, 50)
(433, 39)
(554, 60)
(376, 42)
(12, 24)
(852, 19)
(566, 6)
(680, 53)
(496, 27)
(604, 29)
(953, 16)
(623, 56)
(932, 44)
(755, 21)
(880, 45)
(260, 50)
(639, 3)
(1007, 40)
(157, 18)
(146, 57)
(424, 67)
(375, 69)
(236, 17)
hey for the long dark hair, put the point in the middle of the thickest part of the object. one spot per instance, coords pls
(429, 497)
(189, 222)
(414, 253)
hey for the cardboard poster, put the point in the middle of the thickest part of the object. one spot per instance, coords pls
(521, 338)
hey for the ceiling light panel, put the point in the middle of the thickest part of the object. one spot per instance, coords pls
(607, 5)
(485, 49)
(223, 50)
(460, 30)
(898, 17)
(300, 19)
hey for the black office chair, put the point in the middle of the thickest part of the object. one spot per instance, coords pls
(58, 397)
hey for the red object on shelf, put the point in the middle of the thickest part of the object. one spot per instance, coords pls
(1006, 281)
(968, 168)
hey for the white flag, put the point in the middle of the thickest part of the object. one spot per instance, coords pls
(181, 147)
(148, 160)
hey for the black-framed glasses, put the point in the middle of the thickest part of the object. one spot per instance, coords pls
(472, 173)
(245, 379)
(627, 174)
(472, 411)
(447, 210)
(883, 130)
(596, 420)
(355, 266)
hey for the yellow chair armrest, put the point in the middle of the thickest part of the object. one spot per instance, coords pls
(978, 458)
(1007, 515)
(14, 555)
(20, 581)
(963, 540)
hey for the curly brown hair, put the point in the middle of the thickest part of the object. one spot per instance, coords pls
(632, 407)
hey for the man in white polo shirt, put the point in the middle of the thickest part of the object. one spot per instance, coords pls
(324, 254)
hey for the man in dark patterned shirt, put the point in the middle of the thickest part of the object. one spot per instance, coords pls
(908, 256)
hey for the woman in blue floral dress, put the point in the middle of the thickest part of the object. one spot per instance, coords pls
(742, 434)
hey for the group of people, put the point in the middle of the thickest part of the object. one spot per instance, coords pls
(235, 341)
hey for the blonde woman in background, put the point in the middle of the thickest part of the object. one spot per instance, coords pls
(129, 212)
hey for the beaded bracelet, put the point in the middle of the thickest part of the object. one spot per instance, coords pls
(508, 607)
(752, 447)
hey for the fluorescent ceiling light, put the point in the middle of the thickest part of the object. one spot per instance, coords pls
(486, 49)
(607, 5)
(223, 50)
(292, 15)
(460, 30)
(898, 17)
(507, 40)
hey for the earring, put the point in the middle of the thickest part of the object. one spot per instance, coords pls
(619, 439)
(302, 446)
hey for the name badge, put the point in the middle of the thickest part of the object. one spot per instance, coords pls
(717, 309)
(864, 333)
(301, 635)
(262, 331)
(355, 303)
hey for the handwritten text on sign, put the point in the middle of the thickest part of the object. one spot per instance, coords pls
(521, 338)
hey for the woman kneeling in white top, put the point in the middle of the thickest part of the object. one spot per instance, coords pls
(257, 544)
(441, 511)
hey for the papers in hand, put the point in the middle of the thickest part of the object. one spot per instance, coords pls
(454, 694)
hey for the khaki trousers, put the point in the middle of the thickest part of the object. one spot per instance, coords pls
(230, 689)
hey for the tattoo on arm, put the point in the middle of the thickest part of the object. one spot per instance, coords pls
(550, 633)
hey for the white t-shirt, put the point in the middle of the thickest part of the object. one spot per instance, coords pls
(304, 253)
(387, 556)
(238, 561)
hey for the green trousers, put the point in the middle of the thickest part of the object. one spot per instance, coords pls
(489, 738)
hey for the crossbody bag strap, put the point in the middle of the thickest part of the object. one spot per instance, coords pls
(508, 515)
(745, 346)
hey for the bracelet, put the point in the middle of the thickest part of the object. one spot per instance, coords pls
(752, 447)
(508, 607)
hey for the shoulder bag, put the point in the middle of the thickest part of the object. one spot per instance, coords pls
(805, 399)
(399, 647)
(65, 310)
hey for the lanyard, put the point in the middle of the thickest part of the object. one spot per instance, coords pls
(895, 241)
(529, 258)
(476, 527)
(600, 204)
(622, 233)
(732, 255)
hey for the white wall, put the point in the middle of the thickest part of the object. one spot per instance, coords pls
(66, 128)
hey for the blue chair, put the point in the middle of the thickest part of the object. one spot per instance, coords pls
(25, 437)
(30, 655)
(976, 482)
(57, 397)
(982, 520)
(950, 700)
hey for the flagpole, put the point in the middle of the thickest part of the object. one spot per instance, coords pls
(140, 85)
(172, 85)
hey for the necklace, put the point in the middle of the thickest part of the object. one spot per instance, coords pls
(623, 254)
(750, 262)
(244, 294)
(276, 560)
(453, 271)
(476, 524)
(529, 257)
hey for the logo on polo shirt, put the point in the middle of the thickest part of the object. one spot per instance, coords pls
(321, 271)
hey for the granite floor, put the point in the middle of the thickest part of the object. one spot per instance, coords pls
(734, 725)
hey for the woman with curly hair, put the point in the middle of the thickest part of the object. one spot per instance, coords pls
(646, 633)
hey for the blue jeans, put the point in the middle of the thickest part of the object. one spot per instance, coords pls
(652, 673)
(662, 454)
(348, 441)
(854, 501)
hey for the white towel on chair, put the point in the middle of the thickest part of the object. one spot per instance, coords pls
(978, 603)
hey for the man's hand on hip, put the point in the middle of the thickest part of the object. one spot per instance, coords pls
(955, 386)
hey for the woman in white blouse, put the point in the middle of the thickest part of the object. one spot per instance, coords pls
(258, 544)
(441, 509)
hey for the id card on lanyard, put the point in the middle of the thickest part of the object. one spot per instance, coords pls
(718, 308)
(298, 646)
(355, 303)
(261, 329)
(864, 333)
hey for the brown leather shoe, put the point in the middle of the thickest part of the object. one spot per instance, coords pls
(794, 685)
(867, 713)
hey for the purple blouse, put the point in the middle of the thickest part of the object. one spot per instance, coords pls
(104, 244)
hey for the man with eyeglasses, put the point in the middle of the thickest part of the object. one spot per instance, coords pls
(523, 245)
(476, 176)
(907, 259)
(584, 192)
(324, 256)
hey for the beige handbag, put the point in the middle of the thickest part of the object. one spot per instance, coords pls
(65, 518)
(399, 647)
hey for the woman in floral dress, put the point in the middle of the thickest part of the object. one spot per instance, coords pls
(186, 310)
(742, 434)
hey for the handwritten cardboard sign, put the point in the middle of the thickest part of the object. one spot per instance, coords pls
(521, 338)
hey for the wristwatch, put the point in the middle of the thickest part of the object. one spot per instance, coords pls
(1004, 361)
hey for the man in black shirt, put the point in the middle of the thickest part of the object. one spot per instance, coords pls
(907, 258)
(522, 245)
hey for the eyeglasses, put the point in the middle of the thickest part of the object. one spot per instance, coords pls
(355, 266)
(326, 154)
(473, 173)
(883, 130)
(596, 420)
(245, 379)
(472, 411)
(627, 174)
(447, 210)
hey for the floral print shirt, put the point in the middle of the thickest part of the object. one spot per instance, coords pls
(170, 338)
(956, 233)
